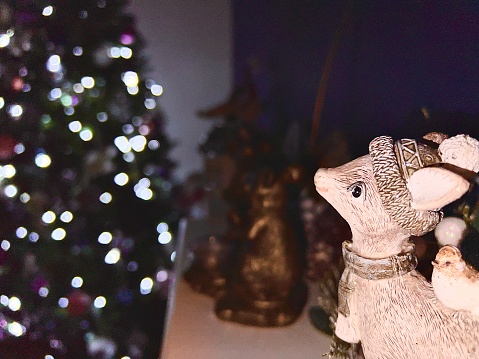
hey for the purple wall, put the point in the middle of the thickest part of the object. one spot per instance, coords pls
(395, 58)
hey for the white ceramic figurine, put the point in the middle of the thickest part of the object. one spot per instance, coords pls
(394, 192)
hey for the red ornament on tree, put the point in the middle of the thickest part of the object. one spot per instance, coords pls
(17, 83)
(7, 147)
(78, 303)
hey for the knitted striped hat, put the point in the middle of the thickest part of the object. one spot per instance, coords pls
(393, 164)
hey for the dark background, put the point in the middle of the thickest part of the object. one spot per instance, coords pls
(401, 68)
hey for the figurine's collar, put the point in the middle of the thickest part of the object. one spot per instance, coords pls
(381, 268)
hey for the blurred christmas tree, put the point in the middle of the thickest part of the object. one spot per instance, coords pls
(85, 186)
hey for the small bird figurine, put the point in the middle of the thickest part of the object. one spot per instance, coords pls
(455, 282)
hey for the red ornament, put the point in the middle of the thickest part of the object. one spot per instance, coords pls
(17, 83)
(78, 303)
(7, 146)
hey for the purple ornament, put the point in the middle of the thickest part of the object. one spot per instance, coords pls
(127, 39)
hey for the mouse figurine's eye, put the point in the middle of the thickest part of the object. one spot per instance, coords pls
(357, 190)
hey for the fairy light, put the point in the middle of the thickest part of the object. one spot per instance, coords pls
(4, 40)
(42, 160)
(43, 292)
(150, 104)
(146, 285)
(75, 126)
(99, 302)
(8, 171)
(162, 227)
(77, 282)
(10, 191)
(126, 52)
(78, 88)
(14, 304)
(69, 110)
(58, 234)
(55, 94)
(66, 100)
(66, 217)
(5, 245)
(144, 182)
(54, 64)
(129, 157)
(161, 276)
(21, 232)
(144, 130)
(19, 148)
(24, 197)
(133, 90)
(2, 102)
(153, 144)
(130, 78)
(105, 238)
(102, 116)
(47, 10)
(4, 300)
(63, 302)
(77, 51)
(173, 256)
(121, 179)
(164, 237)
(138, 143)
(156, 90)
(33, 237)
(114, 52)
(105, 198)
(121, 142)
(49, 217)
(128, 129)
(88, 82)
(144, 194)
(15, 111)
(86, 134)
(16, 329)
(113, 256)
(142, 189)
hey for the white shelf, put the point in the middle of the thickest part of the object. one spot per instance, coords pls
(195, 332)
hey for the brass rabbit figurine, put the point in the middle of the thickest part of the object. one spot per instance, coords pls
(268, 290)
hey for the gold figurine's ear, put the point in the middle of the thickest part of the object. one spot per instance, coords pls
(432, 188)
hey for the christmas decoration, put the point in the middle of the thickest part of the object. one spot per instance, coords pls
(267, 290)
(383, 302)
(86, 186)
(234, 151)
(450, 231)
(455, 283)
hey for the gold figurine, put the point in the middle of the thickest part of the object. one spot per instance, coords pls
(268, 290)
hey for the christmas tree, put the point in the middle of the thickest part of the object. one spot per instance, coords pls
(85, 184)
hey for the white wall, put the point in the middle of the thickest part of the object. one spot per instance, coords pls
(189, 47)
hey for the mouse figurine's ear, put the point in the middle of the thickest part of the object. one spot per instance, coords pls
(432, 188)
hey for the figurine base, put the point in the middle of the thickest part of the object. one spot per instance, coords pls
(232, 307)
